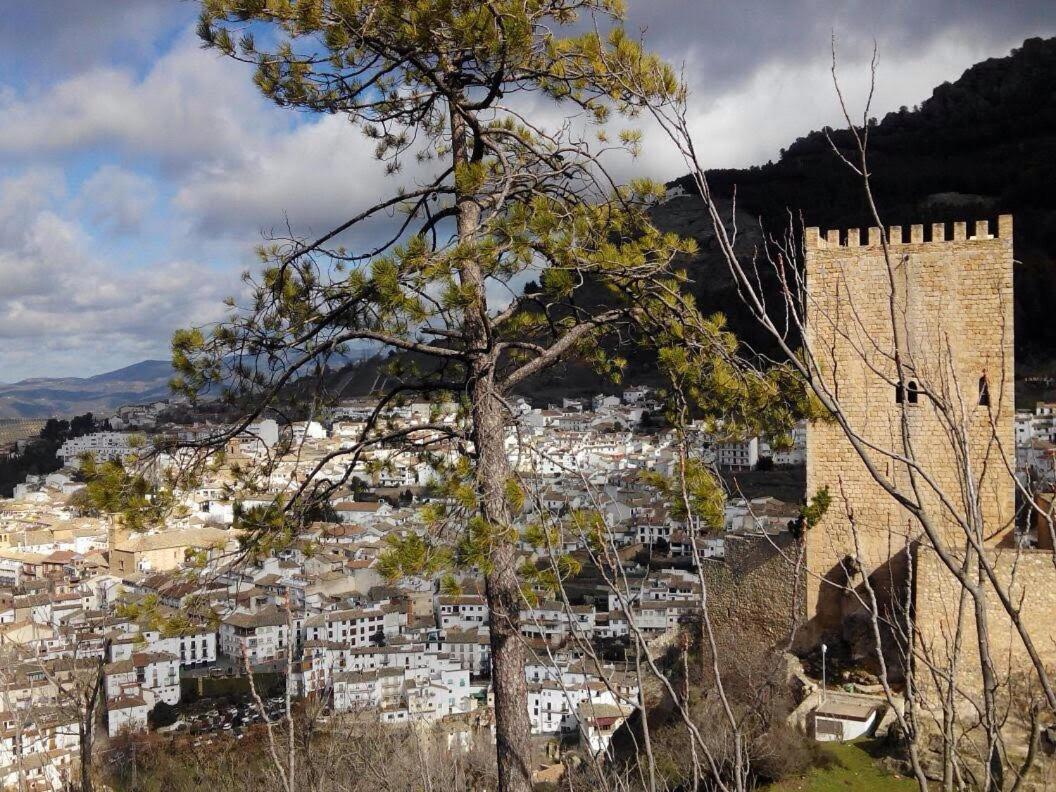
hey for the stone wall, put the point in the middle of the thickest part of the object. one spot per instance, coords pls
(1029, 577)
(755, 595)
(945, 308)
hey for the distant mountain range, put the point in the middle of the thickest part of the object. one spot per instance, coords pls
(46, 397)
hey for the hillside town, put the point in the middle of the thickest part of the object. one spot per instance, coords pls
(180, 601)
(437, 395)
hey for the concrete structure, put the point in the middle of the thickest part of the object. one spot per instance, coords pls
(260, 634)
(738, 455)
(103, 446)
(838, 719)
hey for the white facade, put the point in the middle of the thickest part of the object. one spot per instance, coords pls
(355, 628)
(468, 612)
(127, 714)
(103, 446)
(742, 455)
(261, 635)
(38, 751)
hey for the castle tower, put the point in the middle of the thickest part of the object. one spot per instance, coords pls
(940, 304)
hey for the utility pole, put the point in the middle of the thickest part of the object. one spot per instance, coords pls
(824, 649)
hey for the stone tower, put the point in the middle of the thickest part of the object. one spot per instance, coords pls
(941, 304)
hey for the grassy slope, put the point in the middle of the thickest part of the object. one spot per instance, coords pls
(854, 771)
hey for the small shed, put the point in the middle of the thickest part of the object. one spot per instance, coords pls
(840, 720)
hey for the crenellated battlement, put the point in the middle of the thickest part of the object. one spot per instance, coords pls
(936, 233)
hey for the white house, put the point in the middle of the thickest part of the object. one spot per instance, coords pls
(465, 612)
(260, 633)
(39, 750)
(356, 627)
(126, 714)
(103, 446)
(738, 455)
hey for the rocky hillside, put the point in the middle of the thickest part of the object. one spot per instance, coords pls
(978, 147)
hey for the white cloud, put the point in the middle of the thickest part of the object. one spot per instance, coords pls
(785, 100)
(63, 300)
(316, 176)
(24, 195)
(116, 199)
(190, 106)
(57, 36)
(71, 303)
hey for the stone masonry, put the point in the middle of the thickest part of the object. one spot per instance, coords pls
(755, 595)
(940, 304)
(1030, 580)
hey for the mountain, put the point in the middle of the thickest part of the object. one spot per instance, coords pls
(978, 147)
(982, 145)
(46, 397)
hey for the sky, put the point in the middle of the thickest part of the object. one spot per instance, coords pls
(138, 171)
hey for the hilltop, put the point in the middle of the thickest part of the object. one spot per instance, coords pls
(980, 146)
(977, 147)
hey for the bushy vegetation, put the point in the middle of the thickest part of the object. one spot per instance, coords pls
(351, 756)
(39, 457)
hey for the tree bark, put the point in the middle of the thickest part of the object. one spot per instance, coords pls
(502, 588)
(87, 727)
(512, 727)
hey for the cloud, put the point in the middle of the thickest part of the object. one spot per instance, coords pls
(186, 162)
(52, 38)
(783, 101)
(190, 106)
(24, 195)
(115, 199)
(726, 44)
(317, 176)
(64, 300)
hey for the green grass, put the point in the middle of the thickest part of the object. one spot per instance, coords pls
(853, 770)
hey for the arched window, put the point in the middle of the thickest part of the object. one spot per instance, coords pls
(900, 393)
(912, 392)
(984, 392)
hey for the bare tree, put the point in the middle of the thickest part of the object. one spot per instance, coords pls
(945, 484)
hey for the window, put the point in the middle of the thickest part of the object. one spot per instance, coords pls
(900, 393)
(912, 392)
(984, 392)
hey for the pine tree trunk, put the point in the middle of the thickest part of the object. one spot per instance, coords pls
(86, 727)
(512, 727)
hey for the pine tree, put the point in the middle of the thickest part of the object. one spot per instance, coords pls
(512, 200)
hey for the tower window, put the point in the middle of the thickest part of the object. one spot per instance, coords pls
(900, 393)
(984, 392)
(912, 392)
